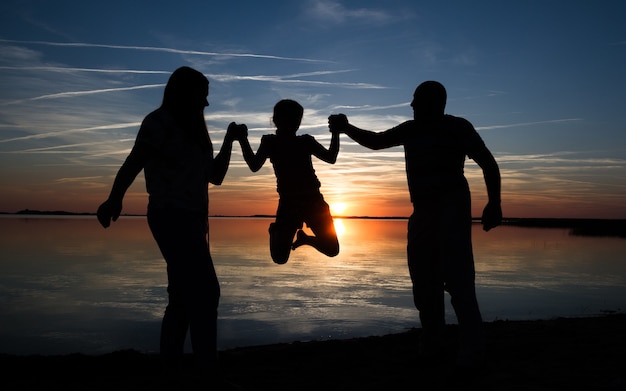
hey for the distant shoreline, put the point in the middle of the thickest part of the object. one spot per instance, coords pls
(578, 226)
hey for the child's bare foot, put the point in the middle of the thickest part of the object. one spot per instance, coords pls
(301, 239)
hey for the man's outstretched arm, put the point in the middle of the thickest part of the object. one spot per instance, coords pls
(372, 140)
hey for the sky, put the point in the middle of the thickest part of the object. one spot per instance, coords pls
(542, 82)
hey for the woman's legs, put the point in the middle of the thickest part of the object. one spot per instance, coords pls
(193, 288)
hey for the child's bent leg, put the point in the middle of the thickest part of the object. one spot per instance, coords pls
(327, 242)
(280, 243)
(324, 241)
(321, 223)
(301, 239)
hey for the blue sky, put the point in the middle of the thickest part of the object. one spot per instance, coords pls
(542, 81)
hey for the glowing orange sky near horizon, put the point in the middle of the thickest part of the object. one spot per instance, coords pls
(230, 200)
(378, 190)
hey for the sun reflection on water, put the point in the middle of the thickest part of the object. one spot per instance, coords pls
(340, 227)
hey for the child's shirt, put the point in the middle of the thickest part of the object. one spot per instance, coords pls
(291, 159)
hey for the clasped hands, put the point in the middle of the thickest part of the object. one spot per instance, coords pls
(237, 131)
(337, 123)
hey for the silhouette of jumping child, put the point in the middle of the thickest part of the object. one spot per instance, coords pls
(300, 200)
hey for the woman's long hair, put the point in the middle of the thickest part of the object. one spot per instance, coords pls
(183, 92)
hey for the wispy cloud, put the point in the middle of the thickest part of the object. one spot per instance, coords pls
(163, 49)
(570, 158)
(295, 78)
(69, 94)
(69, 131)
(334, 11)
(371, 107)
(62, 148)
(95, 70)
(553, 121)
(77, 179)
(230, 77)
(291, 78)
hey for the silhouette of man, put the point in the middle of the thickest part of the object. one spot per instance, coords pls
(440, 255)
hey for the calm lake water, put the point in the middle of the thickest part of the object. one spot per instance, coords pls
(68, 285)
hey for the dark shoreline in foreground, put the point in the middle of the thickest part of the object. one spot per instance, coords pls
(556, 354)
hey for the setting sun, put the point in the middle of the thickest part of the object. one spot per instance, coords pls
(337, 208)
(339, 227)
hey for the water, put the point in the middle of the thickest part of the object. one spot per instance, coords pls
(67, 285)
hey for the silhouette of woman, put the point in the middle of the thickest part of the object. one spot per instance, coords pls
(174, 150)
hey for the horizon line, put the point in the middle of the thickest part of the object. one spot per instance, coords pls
(504, 219)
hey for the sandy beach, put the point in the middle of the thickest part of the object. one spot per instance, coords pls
(557, 354)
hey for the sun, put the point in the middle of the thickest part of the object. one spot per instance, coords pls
(338, 208)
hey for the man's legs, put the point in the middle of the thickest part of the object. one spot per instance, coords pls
(459, 276)
(425, 272)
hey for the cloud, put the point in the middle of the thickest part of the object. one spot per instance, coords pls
(162, 49)
(335, 12)
(371, 107)
(77, 180)
(491, 127)
(58, 148)
(18, 55)
(564, 159)
(69, 94)
(290, 79)
(69, 131)
(70, 69)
